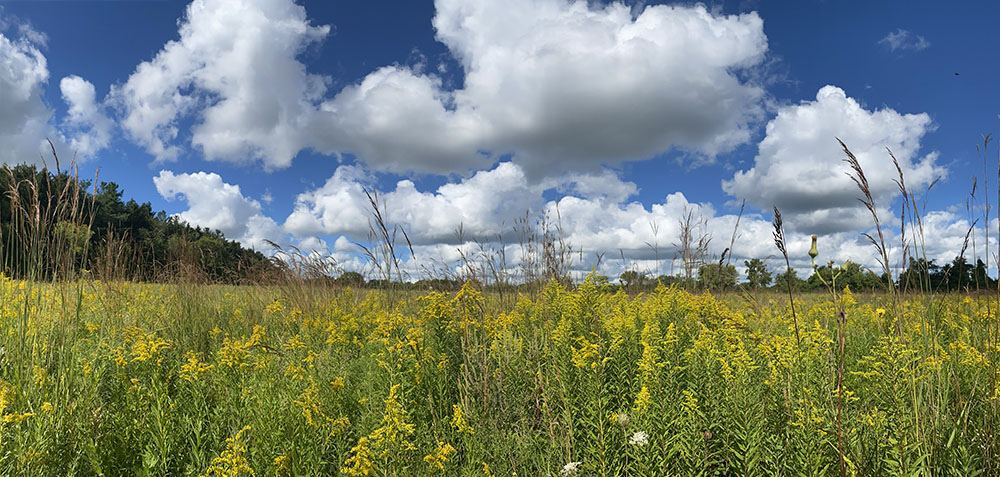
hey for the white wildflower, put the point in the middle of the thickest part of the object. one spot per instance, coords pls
(571, 468)
(622, 419)
(639, 439)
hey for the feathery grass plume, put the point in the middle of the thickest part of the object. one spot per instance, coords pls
(857, 175)
(779, 241)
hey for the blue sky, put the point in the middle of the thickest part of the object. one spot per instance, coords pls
(266, 118)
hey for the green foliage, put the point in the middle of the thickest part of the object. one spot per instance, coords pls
(136, 379)
(631, 279)
(757, 274)
(715, 276)
(849, 274)
(75, 226)
(789, 276)
(924, 275)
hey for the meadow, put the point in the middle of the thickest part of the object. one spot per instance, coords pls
(119, 378)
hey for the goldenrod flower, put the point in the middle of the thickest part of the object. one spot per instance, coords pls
(458, 421)
(440, 456)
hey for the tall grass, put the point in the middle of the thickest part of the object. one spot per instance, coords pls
(294, 376)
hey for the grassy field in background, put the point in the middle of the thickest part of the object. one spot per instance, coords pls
(122, 379)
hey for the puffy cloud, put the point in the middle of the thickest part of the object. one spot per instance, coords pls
(89, 127)
(494, 207)
(560, 85)
(398, 121)
(903, 40)
(25, 120)
(556, 84)
(23, 116)
(799, 167)
(481, 205)
(216, 205)
(625, 234)
(340, 206)
(235, 66)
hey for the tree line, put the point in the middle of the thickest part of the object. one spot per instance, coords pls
(920, 275)
(56, 224)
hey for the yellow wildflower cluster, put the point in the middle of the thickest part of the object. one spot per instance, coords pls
(232, 462)
(440, 456)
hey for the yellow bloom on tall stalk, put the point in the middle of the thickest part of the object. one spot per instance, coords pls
(690, 403)
(14, 418)
(649, 365)
(232, 462)
(458, 421)
(41, 375)
(282, 464)
(587, 355)
(440, 456)
(394, 426)
(310, 404)
(469, 303)
(275, 307)
(119, 356)
(147, 346)
(642, 401)
(294, 343)
(193, 368)
(359, 461)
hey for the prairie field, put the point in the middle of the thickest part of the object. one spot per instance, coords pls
(131, 379)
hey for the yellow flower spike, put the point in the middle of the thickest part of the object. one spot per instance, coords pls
(232, 461)
(193, 368)
(440, 456)
(294, 343)
(41, 375)
(15, 418)
(458, 421)
(642, 401)
(359, 461)
(282, 464)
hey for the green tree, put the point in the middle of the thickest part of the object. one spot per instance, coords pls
(757, 274)
(788, 276)
(350, 279)
(56, 215)
(631, 278)
(715, 276)
(849, 274)
(920, 275)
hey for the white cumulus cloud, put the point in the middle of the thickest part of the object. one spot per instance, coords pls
(216, 205)
(559, 85)
(626, 234)
(86, 123)
(799, 167)
(481, 205)
(234, 68)
(23, 116)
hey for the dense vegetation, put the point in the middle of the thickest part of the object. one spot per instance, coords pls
(52, 223)
(294, 373)
(119, 379)
(921, 275)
